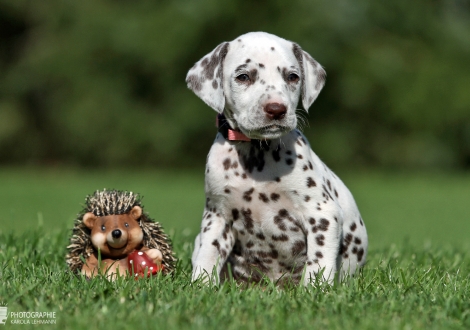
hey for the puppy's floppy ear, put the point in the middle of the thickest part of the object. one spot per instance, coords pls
(313, 76)
(206, 79)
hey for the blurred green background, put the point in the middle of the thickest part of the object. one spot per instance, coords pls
(92, 95)
(101, 83)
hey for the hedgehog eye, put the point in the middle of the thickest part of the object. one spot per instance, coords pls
(103, 228)
(126, 224)
(243, 77)
(293, 77)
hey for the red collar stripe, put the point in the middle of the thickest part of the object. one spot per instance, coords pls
(227, 132)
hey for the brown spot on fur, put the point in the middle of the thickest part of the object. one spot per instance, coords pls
(276, 154)
(248, 220)
(274, 254)
(262, 254)
(282, 237)
(235, 214)
(324, 224)
(348, 239)
(298, 247)
(241, 67)
(215, 61)
(283, 213)
(263, 197)
(311, 182)
(194, 83)
(253, 76)
(360, 254)
(275, 197)
(247, 194)
(280, 223)
(226, 230)
(223, 253)
(260, 236)
(342, 248)
(327, 193)
(353, 226)
(226, 163)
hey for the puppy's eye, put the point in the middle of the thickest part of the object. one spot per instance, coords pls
(243, 77)
(103, 228)
(293, 77)
(126, 224)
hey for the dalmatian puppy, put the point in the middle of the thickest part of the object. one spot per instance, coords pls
(273, 209)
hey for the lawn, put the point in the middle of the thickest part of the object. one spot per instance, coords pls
(417, 276)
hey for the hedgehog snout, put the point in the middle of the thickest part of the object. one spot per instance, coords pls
(117, 238)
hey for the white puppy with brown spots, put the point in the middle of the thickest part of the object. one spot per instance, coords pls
(273, 209)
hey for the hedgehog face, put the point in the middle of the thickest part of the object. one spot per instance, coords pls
(115, 235)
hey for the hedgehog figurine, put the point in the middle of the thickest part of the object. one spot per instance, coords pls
(114, 223)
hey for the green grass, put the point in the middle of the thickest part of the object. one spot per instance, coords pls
(417, 276)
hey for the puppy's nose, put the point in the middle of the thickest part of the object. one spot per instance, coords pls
(275, 111)
(116, 233)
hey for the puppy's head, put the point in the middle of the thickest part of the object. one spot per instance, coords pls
(256, 81)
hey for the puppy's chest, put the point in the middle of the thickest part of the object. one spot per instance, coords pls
(261, 191)
(262, 179)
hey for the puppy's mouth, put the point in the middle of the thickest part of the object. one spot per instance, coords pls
(268, 132)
